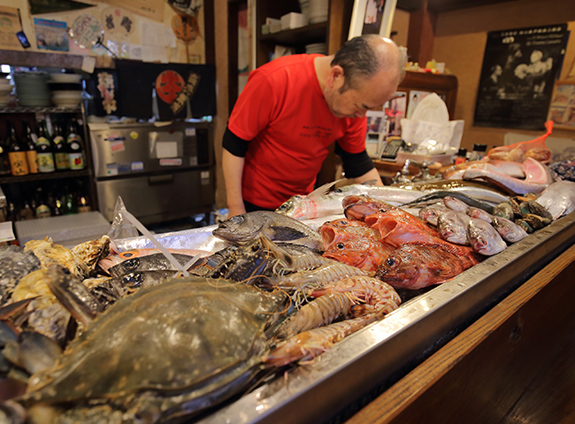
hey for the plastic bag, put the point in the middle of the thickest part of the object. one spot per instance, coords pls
(121, 227)
(518, 152)
(430, 121)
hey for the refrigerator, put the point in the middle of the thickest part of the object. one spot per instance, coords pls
(162, 171)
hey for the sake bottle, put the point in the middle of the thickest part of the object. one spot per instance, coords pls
(44, 149)
(75, 150)
(60, 149)
(4, 159)
(31, 153)
(16, 152)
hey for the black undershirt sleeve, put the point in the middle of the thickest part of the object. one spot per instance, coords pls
(354, 164)
(235, 145)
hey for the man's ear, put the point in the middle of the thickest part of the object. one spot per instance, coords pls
(335, 74)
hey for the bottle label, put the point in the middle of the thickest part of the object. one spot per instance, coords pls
(76, 161)
(62, 161)
(45, 162)
(42, 211)
(43, 140)
(32, 159)
(18, 163)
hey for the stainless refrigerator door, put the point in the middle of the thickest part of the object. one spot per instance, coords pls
(159, 197)
(138, 149)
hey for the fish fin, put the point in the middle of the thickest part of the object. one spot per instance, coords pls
(278, 252)
(328, 188)
(285, 233)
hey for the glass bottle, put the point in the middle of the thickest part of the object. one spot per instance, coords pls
(461, 156)
(42, 208)
(16, 152)
(60, 149)
(83, 199)
(75, 150)
(26, 212)
(44, 149)
(478, 152)
(31, 153)
(4, 158)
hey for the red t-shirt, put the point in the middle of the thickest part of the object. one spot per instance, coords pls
(283, 111)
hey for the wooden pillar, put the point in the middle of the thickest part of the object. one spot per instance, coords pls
(421, 35)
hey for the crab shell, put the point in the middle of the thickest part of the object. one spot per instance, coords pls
(182, 342)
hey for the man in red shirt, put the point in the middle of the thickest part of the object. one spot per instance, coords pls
(293, 108)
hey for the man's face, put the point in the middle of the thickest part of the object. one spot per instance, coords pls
(366, 94)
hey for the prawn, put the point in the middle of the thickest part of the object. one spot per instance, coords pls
(368, 294)
(309, 344)
(352, 296)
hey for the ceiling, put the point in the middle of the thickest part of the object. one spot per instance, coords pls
(445, 5)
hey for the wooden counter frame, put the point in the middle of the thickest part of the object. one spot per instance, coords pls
(505, 367)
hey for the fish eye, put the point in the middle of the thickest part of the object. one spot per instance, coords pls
(391, 262)
(131, 263)
(133, 280)
(340, 246)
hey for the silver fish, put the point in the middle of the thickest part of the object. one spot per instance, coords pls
(480, 213)
(483, 238)
(558, 198)
(510, 184)
(277, 227)
(155, 262)
(455, 204)
(431, 213)
(434, 196)
(326, 200)
(510, 231)
(452, 228)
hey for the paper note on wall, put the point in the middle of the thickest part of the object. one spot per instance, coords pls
(166, 149)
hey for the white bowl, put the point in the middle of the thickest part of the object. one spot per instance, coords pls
(66, 78)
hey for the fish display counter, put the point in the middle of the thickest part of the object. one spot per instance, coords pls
(372, 375)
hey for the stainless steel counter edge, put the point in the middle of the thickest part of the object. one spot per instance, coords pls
(316, 392)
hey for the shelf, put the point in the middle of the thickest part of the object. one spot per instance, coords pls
(44, 177)
(40, 109)
(308, 34)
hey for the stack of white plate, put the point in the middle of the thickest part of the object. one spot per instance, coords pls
(318, 10)
(5, 90)
(320, 48)
(32, 88)
(66, 90)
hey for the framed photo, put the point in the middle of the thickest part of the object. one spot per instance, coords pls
(371, 17)
(376, 131)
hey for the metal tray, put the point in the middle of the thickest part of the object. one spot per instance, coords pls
(373, 358)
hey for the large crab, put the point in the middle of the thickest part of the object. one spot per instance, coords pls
(166, 351)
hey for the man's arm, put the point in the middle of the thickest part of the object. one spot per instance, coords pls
(358, 166)
(233, 167)
(233, 160)
(373, 174)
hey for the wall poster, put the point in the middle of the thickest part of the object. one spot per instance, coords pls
(519, 69)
